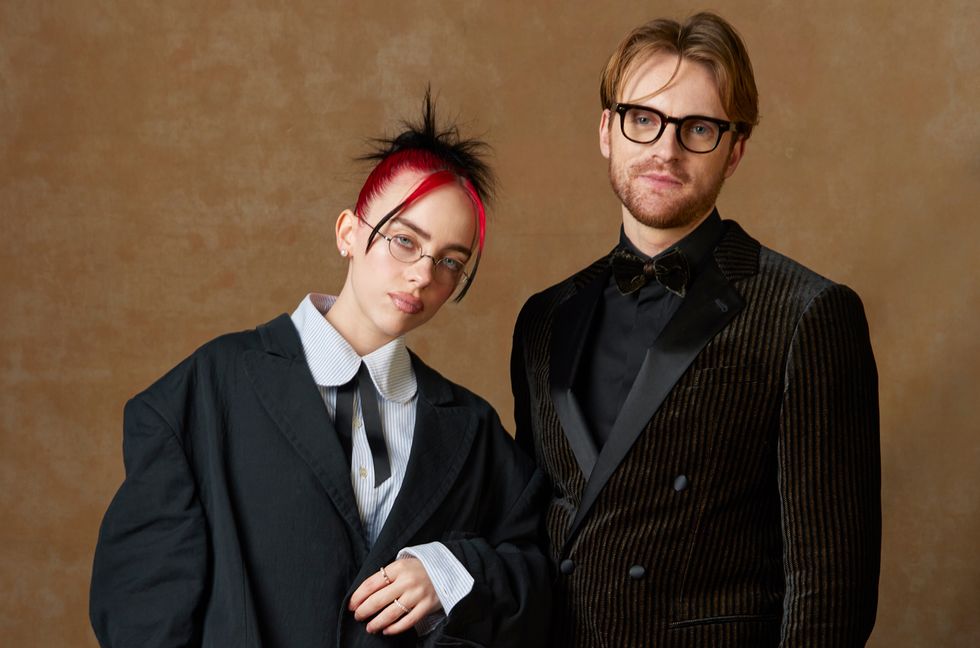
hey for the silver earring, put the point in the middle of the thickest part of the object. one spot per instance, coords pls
(343, 253)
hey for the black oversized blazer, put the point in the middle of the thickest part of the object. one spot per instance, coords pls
(737, 500)
(236, 524)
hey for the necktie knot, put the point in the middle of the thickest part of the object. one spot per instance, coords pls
(633, 272)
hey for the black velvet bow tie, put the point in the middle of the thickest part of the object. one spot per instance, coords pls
(632, 272)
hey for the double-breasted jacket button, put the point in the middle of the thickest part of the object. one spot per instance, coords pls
(567, 566)
(680, 483)
(637, 572)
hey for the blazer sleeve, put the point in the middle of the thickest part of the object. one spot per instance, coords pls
(829, 476)
(150, 565)
(510, 603)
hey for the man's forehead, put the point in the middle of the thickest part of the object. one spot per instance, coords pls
(666, 72)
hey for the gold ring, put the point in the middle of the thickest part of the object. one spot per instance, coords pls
(399, 604)
(384, 575)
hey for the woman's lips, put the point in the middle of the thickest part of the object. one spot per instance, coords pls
(406, 303)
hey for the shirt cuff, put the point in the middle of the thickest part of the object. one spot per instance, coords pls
(449, 578)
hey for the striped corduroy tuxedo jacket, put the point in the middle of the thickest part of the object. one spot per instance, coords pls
(737, 500)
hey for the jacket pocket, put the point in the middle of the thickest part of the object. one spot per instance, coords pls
(729, 618)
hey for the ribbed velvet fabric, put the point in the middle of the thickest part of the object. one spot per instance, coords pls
(747, 512)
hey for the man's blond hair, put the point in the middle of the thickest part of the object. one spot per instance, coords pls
(704, 38)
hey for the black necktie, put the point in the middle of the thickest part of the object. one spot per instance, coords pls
(632, 272)
(361, 382)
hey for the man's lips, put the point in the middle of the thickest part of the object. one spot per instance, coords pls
(406, 303)
(664, 180)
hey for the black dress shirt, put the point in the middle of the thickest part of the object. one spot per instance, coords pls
(624, 326)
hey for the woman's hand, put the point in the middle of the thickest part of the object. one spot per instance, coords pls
(398, 596)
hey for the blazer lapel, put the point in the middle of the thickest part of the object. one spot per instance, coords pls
(711, 303)
(282, 380)
(441, 443)
(573, 318)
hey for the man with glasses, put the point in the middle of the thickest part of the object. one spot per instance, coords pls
(705, 408)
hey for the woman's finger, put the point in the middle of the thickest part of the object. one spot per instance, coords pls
(393, 615)
(408, 620)
(371, 584)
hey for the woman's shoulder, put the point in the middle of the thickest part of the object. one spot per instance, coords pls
(210, 362)
(436, 386)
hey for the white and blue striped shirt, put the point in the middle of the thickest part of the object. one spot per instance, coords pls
(333, 362)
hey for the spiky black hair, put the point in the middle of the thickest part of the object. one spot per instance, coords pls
(465, 157)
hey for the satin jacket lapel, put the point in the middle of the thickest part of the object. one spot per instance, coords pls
(282, 380)
(441, 443)
(573, 318)
(711, 303)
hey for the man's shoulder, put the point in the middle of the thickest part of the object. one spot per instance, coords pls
(739, 248)
(800, 285)
(545, 300)
(776, 282)
(782, 279)
(777, 264)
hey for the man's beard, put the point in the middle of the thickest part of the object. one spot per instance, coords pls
(655, 210)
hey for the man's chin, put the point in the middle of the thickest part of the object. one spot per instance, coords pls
(666, 219)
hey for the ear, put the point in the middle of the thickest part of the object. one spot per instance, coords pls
(346, 225)
(738, 150)
(604, 125)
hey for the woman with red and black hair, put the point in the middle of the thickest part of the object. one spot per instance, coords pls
(312, 482)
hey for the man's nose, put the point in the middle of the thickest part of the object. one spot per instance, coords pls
(667, 146)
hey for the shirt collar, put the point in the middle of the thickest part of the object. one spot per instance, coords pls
(696, 245)
(333, 361)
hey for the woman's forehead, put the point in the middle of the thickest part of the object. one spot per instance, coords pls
(396, 189)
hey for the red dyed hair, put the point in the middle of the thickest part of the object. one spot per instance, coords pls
(423, 162)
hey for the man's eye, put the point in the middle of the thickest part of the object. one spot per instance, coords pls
(701, 129)
(644, 120)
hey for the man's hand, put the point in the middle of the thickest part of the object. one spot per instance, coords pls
(398, 596)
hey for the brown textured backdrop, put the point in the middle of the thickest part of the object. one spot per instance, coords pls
(171, 171)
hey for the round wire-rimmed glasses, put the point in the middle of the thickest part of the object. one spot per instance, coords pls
(696, 133)
(407, 249)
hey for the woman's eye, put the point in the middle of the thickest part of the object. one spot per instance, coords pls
(404, 241)
(452, 264)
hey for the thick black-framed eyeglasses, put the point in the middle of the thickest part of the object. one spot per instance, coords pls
(407, 249)
(696, 133)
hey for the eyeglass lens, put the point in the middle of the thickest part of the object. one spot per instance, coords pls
(645, 126)
(406, 249)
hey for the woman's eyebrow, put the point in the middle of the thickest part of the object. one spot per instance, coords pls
(425, 236)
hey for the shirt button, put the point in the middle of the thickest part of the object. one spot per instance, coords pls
(567, 566)
(637, 572)
(362, 472)
(357, 422)
(680, 483)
